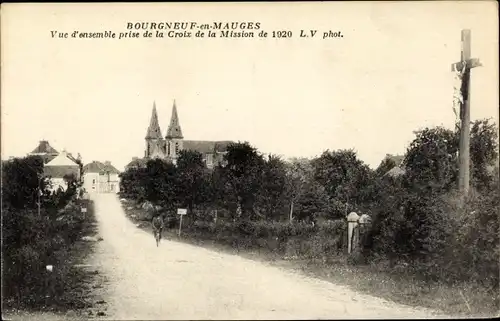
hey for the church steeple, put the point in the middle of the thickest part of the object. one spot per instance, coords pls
(174, 130)
(154, 131)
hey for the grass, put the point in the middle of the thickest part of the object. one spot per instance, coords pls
(403, 286)
(69, 292)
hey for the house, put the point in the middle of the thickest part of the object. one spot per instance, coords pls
(58, 166)
(168, 148)
(60, 169)
(101, 177)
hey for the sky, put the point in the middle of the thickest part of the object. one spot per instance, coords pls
(388, 76)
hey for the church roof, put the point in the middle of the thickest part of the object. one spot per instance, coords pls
(44, 148)
(174, 129)
(204, 146)
(99, 167)
(154, 131)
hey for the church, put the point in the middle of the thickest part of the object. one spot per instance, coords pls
(168, 148)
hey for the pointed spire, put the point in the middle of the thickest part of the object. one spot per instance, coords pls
(174, 130)
(154, 131)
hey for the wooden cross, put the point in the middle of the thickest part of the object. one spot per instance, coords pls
(464, 66)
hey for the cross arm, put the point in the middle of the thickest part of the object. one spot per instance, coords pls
(470, 63)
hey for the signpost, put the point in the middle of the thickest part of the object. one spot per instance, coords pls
(181, 212)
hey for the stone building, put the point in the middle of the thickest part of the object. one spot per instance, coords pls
(169, 147)
(101, 177)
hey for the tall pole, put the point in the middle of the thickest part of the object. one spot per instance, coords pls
(464, 66)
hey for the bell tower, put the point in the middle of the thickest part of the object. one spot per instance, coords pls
(154, 139)
(174, 136)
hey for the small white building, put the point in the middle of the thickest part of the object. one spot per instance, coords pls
(60, 169)
(101, 178)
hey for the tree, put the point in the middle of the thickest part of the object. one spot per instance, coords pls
(22, 180)
(344, 177)
(132, 184)
(299, 172)
(159, 181)
(221, 193)
(192, 179)
(80, 166)
(273, 184)
(312, 202)
(483, 152)
(431, 160)
(243, 172)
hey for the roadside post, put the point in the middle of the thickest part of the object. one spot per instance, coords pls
(181, 212)
(84, 211)
(352, 223)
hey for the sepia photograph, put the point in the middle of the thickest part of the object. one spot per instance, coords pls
(250, 160)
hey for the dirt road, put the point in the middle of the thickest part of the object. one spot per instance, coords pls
(180, 281)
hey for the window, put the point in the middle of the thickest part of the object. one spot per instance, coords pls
(168, 148)
(93, 181)
(176, 148)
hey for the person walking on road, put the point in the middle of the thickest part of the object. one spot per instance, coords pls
(157, 224)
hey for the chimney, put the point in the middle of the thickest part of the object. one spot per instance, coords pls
(107, 163)
(135, 158)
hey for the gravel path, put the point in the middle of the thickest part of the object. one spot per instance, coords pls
(180, 281)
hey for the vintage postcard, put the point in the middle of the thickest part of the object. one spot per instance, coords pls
(250, 160)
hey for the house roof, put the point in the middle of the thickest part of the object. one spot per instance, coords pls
(99, 167)
(44, 148)
(136, 162)
(63, 159)
(60, 171)
(395, 172)
(47, 158)
(205, 146)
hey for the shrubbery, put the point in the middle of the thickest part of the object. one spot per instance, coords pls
(299, 206)
(31, 239)
(298, 239)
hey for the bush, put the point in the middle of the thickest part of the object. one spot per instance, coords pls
(32, 239)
